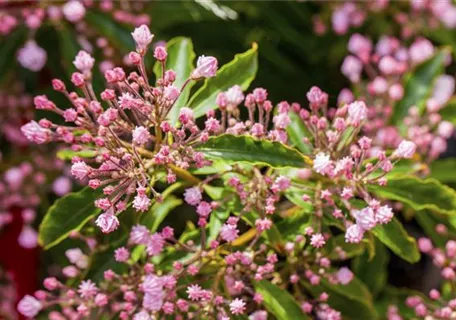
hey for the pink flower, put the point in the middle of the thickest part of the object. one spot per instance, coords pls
(61, 186)
(160, 53)
(139, 234)
(140, 135)
(35, 133)
(425, 245)
(171, 93)
(234, 95)
(143, 315)
(32, 56)
(29, 306)
(445, 129)
(186, 115)
(317, 240)
(155, 244)
(73, 11)
(259, 315)
(421, 50)
(229, 232)
(121, 254)
(352, 68)
(317, 97)
(344, 275)
(206, 67)
(354, 234)
(406, 149)
(322, 163)
(80, 170)
(101, 300)
(70, 115)
(263, 224)
(237, 306)
(141, 202)
(359, 45)
(107, 222)
(281, 121)
(357, 112)
(87, 289)
(43, 103)
(365, 218)
(204, 209)
(193, 196)
(28, 238)
(194, 292)
(384, 215)
(84, 62)
(142, 37)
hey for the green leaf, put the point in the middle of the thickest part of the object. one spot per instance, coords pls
(351, 249)
(67, 214)
(158, 212)
(353, 300)
(373, 272)
(240, 71)
(448, 112)
(248, 149)
(69, 48)
(117, 34)
(395, 237)
(279, 302)
(180, 59)
(68, 154)
(295, 225)
(296, 132)
(8, 50)
(420, 194)
(444, 170)
(418, 85)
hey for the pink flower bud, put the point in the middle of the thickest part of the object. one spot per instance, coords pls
(142, 37)
(406, 149)
(344, 275)
(58, 85)
(35, 133)
(354, 234)
(384, 215)
(160, 53)
(32, 56)
(77, 79)
(80, 170)
(70, 115)
(171, 93)
(107, 222)
(141, 135)
(357, 112)
(186, 115)
(73, 11)
(134, 57)
(29, 306)
(206, 67)
(43, 103)
(84, 62)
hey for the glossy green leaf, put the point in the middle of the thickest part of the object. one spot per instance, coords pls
(448, 112)
(296, 132)
(68, 154)
(67, 214)
(158, 212)
(117, 34)
(248, 149)
(353, 300)
(419, 194)
(418, 85)
(180, 59)
(279, 302)
(240, 71)
(395, 237)
(373, 272)
(444, 170)
(69, 48)
(295, 225)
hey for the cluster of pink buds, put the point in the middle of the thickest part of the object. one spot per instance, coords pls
(126, 129)
(435, 305)
(410, 16)
(350, 162)
(385, 67)
(31, 56)
(21, 192)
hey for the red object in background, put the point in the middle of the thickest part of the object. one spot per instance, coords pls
(22, 263)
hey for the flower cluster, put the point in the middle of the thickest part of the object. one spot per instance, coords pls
(385, 66)
(33, 57)
(411, 16)
(438, 304)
